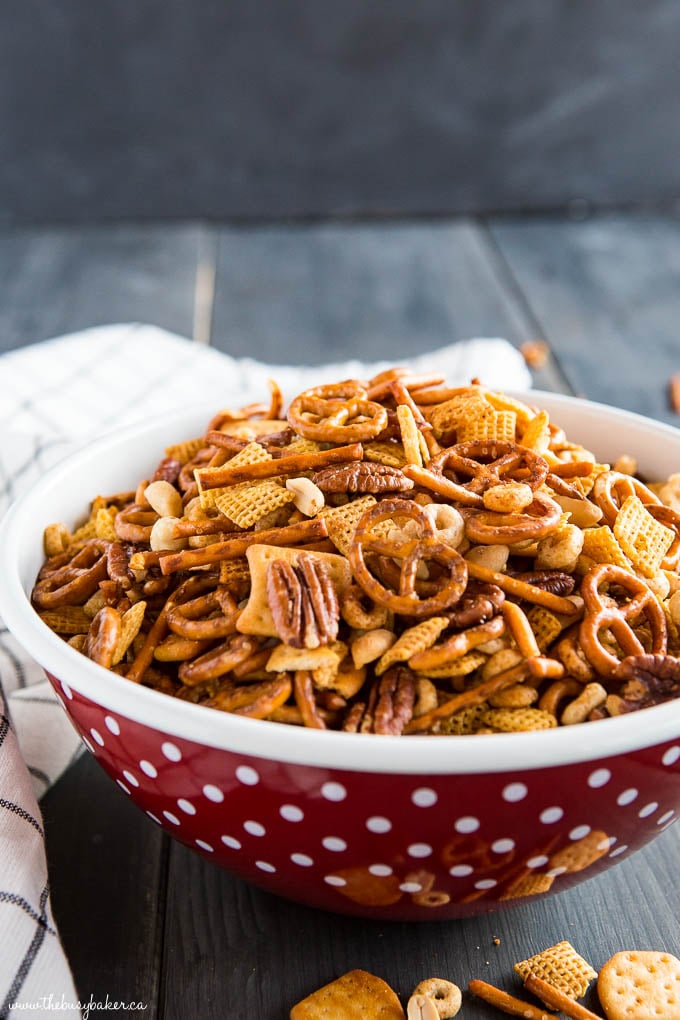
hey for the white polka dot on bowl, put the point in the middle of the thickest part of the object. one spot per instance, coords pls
(600, 777)
(233, 844)
(551, 815)
(378, 824)
(171, 751)
(671, 755)
(627, 797)
(247, 775)
(303, 860)
(466, 824)
(112, 725)
(204, 846)
(186, 806)
(380, 870)
(291, 812)
(460, 870)
(254, 828)
(424, 797)
(333, 791)
(148, 769)
(265, 866)
(514, 792)
(419, 850)
(213, 793)
(335, 880)
(334, 843)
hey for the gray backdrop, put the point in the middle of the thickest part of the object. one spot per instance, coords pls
(214, 109)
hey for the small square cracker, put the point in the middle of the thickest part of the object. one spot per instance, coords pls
(356, 995)
(640, 985)
(562, 967)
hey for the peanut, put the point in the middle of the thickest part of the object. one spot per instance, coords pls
(307, 497)
(164, 499)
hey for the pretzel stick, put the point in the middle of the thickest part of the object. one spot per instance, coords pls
(556, 999)
(210, 478)
(522, 590)
(232, 548)
(508, 1003)
(520, 628)
(142, 660)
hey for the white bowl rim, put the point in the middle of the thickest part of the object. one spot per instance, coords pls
(421, 755)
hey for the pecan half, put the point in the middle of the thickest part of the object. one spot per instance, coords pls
(303, 602)
(362, 476)
(389, 707)
(479, 603)
(650, 679)
(555, 581)
(167, 471)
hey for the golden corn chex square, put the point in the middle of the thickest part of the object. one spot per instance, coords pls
(643, 539)
(235, 573)
(247, 502)
(467, 721)
(341, 521)
(504, 402)
(446, 416)
(85, 532)
(545, 625)
(518, 720)
(462, 666)
(389, 454)
(104, 524)
(415, 639)
(600, 546)
(301, 445)
(253, 453)
(529, 884)
(67, 620)
(536, 435)
(130, 627)
(560, 966)
(495, 425)
(186, 451)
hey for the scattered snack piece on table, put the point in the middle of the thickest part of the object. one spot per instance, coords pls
(356, 995)
(535, 353)
(640, 985)
(562, 967)
(674, 392)
(390, 556)
(445, 995)
(507, 1003)
(556, 999)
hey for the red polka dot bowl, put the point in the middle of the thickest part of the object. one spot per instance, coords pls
(415, 828)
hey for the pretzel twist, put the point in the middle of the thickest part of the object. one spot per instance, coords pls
(605, 613)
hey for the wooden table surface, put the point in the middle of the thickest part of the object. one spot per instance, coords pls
(142, 917)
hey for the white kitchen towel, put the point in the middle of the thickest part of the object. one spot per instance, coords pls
(55, 396)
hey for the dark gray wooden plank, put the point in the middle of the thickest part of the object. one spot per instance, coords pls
(327, 292)
(59, 280)
(607, 293)
(232, 949)
(107, 864)
(289, 108)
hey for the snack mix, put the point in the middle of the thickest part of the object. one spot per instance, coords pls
(394, 557)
